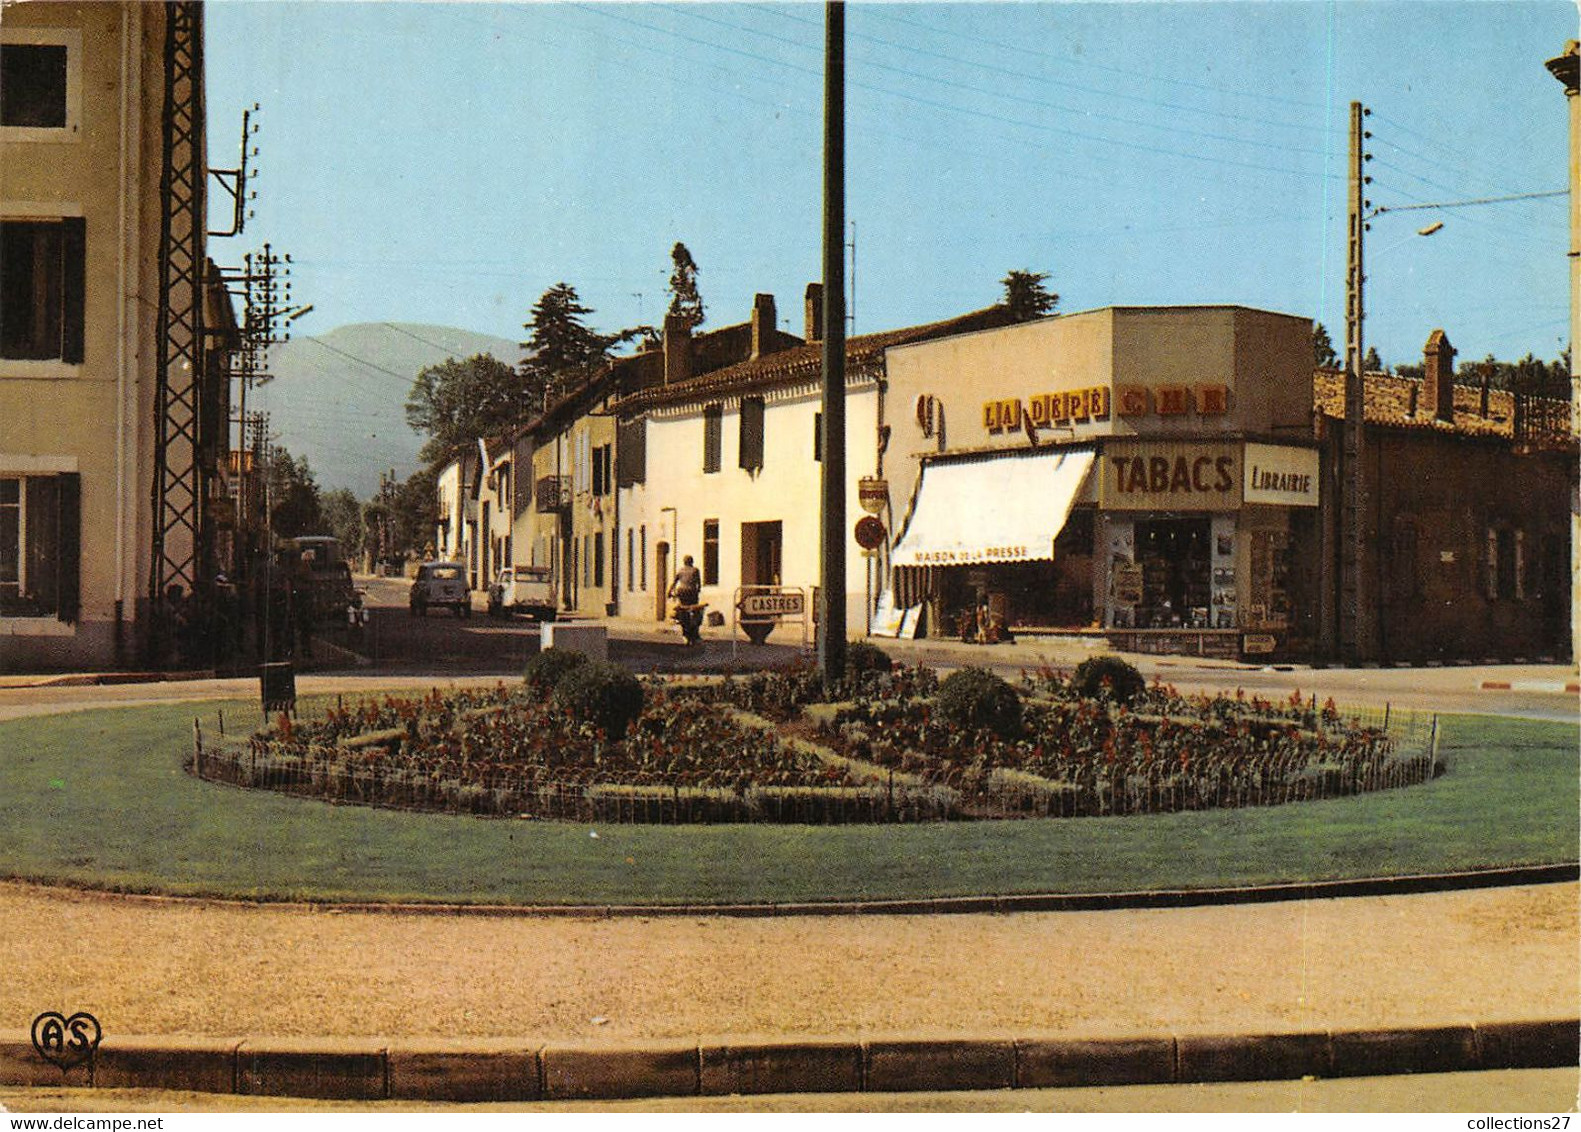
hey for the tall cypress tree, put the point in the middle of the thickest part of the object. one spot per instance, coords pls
(685, 300)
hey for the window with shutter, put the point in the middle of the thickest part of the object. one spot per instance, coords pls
(713, 437)
(710, 552)
(751, 433)
(41, 546)
(42, 288)
(631, 454)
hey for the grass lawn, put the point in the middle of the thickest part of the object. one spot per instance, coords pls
(99, 798)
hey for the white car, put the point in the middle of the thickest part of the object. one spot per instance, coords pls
(523, 589)
(443, 584)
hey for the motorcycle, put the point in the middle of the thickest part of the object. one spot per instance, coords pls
(356, 616)
(689, 616)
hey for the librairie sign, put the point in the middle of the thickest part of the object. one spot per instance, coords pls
(1287, 477)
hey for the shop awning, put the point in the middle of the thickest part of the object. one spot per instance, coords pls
(999, 509)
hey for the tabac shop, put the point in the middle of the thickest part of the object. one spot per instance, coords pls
(1206, 547)
(1209, 547)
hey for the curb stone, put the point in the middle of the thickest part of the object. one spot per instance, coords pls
(520, 1070)
(1052, 1063)
(1555, 873)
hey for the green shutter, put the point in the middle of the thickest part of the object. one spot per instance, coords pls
(69, 548)
(73, 256)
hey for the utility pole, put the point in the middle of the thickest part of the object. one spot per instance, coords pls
(1567, 69)
(1354, 623)
(831, 574)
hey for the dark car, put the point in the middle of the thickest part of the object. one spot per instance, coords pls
(443, 584)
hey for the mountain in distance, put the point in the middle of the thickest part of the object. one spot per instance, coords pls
(339, 398)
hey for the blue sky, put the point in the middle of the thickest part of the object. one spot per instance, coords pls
(446, 163)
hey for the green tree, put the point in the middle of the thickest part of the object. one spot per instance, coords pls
(685, 300)
(1323, 355)
(295, 505)
(342, 514)
(456, 402)
(562, 350)
(414, 512)
(1026, 296)
(1372, 363)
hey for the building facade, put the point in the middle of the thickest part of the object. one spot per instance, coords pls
(729, 474)
(81, 158)
(1147, 473)
(1466, 525)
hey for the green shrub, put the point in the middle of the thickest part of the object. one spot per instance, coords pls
(863, 659)
(601, 693)
(1108, 677)
(974, 699)
(545, 671)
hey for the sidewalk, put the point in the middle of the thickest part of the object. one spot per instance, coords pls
(296, 1000)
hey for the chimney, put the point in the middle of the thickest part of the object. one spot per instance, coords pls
(1438, 375)
(762, 325)
(814, 312)
(677, 349)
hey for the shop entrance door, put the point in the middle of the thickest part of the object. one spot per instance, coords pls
(761, 550)
(1176, 575)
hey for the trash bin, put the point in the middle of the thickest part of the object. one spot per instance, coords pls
(277, 686)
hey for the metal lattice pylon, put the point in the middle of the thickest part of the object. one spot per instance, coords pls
(179, 480)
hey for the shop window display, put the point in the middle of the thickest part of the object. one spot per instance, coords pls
(1175, 561)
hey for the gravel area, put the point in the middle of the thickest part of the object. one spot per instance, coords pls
(153, 967)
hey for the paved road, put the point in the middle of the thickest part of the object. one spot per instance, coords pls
(398, 643)
(399, 649)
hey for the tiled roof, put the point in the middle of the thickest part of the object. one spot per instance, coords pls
(1389, 403)
(805, 362)
(632, 373)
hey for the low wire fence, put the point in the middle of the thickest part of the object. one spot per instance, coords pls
(1404, 753)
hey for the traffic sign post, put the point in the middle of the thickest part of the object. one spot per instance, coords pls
(763, 607)
(869, 536)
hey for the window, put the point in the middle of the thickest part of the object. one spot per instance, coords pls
(603, 483)
(587, 560)
(631, 566)
(751, 447)
(710, 552)
(42, 288)
(817, 436)
(33, 85)
(1403, 572)
(598, 559)
(1505, 551)
(631, 453)
(40, 546)
(644, 575)
(713, 437)
(39, 84)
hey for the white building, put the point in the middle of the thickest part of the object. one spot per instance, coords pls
(725, 468)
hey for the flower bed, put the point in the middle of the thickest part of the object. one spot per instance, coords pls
(1079, 756)
(755, 749)
(507, 752)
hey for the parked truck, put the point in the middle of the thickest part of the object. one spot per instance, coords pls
(523, 589)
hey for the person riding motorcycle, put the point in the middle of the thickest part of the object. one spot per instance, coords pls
(685, 589)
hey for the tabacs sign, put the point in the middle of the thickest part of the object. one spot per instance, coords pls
(1171, 477)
